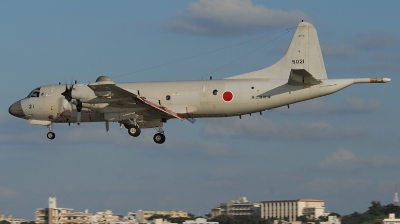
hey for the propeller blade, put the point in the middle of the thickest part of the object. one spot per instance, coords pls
(66, 105)
(78, 111)
(107, 126)
(78, 117)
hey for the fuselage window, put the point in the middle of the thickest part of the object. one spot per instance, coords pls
(215, 92)
(34, 93)
(168, 97)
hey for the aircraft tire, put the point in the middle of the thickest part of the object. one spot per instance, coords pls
(134, 131)
(51, 135)
(159, 138)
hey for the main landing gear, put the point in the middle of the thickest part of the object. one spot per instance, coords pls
(159, 137)
(50, 134)
(134, 131)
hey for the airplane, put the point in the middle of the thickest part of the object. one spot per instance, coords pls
(298, 76)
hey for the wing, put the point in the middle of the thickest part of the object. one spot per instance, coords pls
(111, 90)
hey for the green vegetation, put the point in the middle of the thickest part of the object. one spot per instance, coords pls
(375, 213)
(7, 222)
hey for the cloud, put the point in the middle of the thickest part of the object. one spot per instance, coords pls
(345, 160)
(261, 127)
(357, 104)
(209, 148)
(341, 159)
(7, 193)
(227, 17)
(327, 184)
(376, 40)
(318, 106)
(337, 50)
(310, 106)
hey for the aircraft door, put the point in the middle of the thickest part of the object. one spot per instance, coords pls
(203, 94)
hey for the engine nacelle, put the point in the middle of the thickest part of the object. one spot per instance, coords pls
(82, 92)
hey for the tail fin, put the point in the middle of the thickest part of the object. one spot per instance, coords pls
(304, 52)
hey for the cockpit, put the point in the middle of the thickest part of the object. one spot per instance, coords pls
(34, 93)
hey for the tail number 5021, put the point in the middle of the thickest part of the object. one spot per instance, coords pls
(298, 61)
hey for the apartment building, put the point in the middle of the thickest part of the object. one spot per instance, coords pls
(57, 215)
(236, 208)
(142, 216)
(291, 209)
(10, 219)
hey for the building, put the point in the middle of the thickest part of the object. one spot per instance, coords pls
(55, 215)
(199, 221)
(391, 220)
(332, 220)
(9, 219)
(142, 216)
(291, 209)
(239, 207)
(105, 217)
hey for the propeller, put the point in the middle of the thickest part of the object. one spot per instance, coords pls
(68, 93)
(68, 96)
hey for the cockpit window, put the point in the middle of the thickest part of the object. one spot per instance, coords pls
(34, 93)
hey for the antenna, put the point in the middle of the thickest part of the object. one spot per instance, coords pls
(396, 197)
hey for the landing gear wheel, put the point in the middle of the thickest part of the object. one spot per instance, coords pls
(51, 135)
(159, 138)
(134, 131)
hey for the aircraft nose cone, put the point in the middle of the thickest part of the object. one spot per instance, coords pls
(16, 109)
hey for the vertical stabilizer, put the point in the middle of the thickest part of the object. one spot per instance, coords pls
(304, 52)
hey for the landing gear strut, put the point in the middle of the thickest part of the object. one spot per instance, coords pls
(159, 137)
(50, 134)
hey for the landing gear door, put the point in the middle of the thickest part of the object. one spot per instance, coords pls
(204, 94)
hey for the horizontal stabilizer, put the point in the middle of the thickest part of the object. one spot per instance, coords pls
(300, 77)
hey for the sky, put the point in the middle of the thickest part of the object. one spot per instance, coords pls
(342, 148)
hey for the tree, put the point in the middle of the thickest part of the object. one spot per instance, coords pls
(334, 214)
(376, 209)
(352, 218)
(391, 208)
(302, 218)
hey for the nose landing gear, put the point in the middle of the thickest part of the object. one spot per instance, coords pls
(50, 134)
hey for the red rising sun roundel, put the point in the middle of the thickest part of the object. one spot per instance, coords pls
(227, 96)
